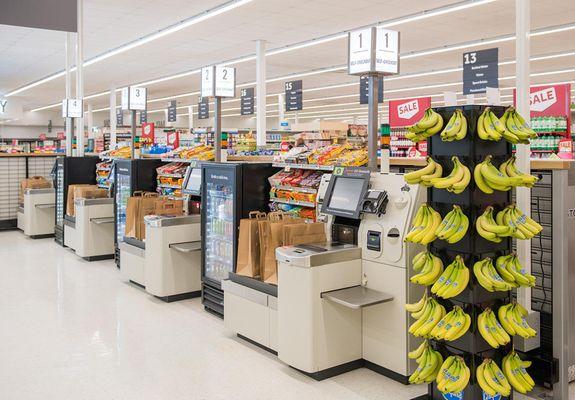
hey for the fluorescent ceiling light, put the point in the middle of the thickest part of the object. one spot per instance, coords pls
(229, 6)
(238, 3)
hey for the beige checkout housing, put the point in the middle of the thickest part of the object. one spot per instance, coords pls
(323, 338)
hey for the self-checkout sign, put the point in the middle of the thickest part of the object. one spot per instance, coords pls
(543, 99)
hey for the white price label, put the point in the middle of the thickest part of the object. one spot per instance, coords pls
(207, 82)
(387, 51)
(360, 54)
(225, 82)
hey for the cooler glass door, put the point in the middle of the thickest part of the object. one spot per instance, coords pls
(123, 191)
(220, 237)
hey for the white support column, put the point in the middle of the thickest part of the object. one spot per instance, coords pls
(281, 109)
(296, 118)
(90, 121)
(522, 26)
(190, 118)
(80, 76)
(69, 121)
(261, 92)
(112, 117)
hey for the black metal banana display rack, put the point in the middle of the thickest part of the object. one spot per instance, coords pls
(471, 151)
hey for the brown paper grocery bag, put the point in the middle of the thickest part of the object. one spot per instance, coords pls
(248, 263)
(304, 233)
(34, 182)
(272, 236)
(71, 196)
(146, 206)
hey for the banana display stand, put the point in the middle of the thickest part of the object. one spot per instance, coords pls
(470, 151)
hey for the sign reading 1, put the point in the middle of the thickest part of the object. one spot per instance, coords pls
(373, 50)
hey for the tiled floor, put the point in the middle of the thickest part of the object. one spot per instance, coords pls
(70, 329)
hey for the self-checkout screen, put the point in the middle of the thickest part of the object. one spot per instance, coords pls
(194, 182)
(346, 194)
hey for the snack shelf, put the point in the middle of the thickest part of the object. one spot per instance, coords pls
(182, 160)
(305, 166)
(296, 189)
(165, 185)
(293, 202)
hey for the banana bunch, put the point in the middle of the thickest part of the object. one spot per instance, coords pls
(489, 127)
(456, 181)
(430, 124)
(524, 227)
(491, 330)
(428, 364)
(488, 178)
(424, 175)
(514, 370)
(456, 128)
(489, 278)
(430, 314)
(516, 128)
(491, 379)
(425, 223)
(512, 317)
(453, 376)
(452, 326)
(429, 267)
(416, 307)
(510, 169)
(454, 226)
(512, 272)
(489, 229)
(453, 280)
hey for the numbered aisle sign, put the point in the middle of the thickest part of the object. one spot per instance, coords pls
(247, 101)
(480, 70)
(172, 111)
(373, 51)
(203, 108)
(364, 90)
(134, 98)
(294, 95)
(72, 108)
(207, 87)
(225, 82)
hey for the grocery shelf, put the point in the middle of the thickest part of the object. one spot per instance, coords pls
(295, 189)
(305, 166)
(182, 160)
(293, 202)
(166, 185)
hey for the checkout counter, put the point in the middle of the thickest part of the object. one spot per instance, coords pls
(168, 263)
(90, 232)
(36, 215)
(340, 306)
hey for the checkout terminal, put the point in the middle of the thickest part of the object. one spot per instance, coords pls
(341, 304)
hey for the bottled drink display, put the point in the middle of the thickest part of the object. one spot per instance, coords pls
(122, 194)
(219, 231)
(549, 124)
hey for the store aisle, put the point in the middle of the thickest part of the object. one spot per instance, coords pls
(73, 330)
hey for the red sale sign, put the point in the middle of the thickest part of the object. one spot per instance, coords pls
(147, 133)
(549, 100)
(42, 136)
(174, 139)
(407, 112)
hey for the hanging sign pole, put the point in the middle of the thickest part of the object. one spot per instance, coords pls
(374, 53)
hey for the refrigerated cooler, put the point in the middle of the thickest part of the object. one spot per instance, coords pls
(229, 192)
(130, 176)
(70, 171)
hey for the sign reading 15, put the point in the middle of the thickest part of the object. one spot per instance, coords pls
(470, 58)
(244, 93)
(289, 85)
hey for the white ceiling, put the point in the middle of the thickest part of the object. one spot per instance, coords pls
(28, 55)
